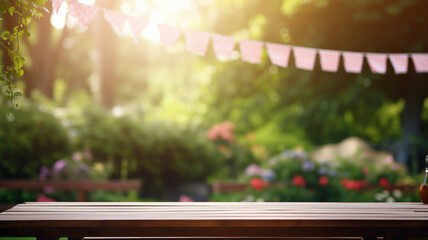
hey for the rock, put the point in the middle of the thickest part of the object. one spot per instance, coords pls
(349, 149)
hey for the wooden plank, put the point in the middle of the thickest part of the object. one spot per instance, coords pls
(368, 220)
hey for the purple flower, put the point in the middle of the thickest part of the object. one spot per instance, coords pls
(323, 171)
(82, 170)
(308, 166)
(44, 173)
(60, 165)
(268, 174)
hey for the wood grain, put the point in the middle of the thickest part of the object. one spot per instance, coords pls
(142, 219)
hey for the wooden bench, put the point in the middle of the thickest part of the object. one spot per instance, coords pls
(81, 187)
(205, 220)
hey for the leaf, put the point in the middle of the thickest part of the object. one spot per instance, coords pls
(21, 73)
(11, 10)
(27, 33)
(5, 35)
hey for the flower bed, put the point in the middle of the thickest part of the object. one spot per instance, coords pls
(293, 176)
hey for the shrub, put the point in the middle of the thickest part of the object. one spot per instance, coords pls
(161, 154)
(30, 138)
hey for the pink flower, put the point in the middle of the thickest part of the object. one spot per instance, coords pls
(43, 198)
(222, 131)
(60, 165)
(258, 184)
(323, 181)
(184, 198)
(299, 181)
(253, 169)
(384, 183)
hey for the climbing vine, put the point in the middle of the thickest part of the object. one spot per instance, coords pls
(19, 13)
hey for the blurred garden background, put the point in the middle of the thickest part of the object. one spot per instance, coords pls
(99, 106)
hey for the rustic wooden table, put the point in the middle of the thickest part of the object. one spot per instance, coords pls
(216, 220)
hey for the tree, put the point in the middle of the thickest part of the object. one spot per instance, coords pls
(106, 44)
(14, 29)
(44, 53)
(329, 106)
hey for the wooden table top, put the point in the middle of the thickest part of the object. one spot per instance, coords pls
(210, 214)
(221, 220)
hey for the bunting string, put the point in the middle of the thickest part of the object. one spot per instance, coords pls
(197, 42)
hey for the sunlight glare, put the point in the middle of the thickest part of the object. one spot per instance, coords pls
(89, 2)
(58, 20)
(151, 32)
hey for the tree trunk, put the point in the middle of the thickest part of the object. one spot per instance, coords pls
(411, 120)
(106, 44)
(41, 74)
(44, 56)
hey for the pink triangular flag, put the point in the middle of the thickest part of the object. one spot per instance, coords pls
(116, 20)
(329, 60)
(197, 42)
(278, 54)
(137, 26)
(251, 51)
(377, 62)
(56, 4)
(304, 57)
(83, 12)
(353, 62)
(400, 62)
(223, 45)
(168, 34)
(420, 60)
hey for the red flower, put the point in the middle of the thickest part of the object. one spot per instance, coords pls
(299, 181)
(258, 184)
(353, 184)
(384, 183)
(323, 181)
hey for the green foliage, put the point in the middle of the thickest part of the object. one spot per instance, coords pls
(8, 196)
(22, 12)
(161, 154)
(327, 107)
(30, 138)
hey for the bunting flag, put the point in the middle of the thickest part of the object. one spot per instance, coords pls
(278, 54)
(56, 5)
(377, 62)
(137, 26)
(251, 51)
(223, 45)
(329, 60)
(83, 12)
(399, 62)
(353, 62)
(197, 42)
(168, 34)
(116, 20)
(304, 57)
(420, 60)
